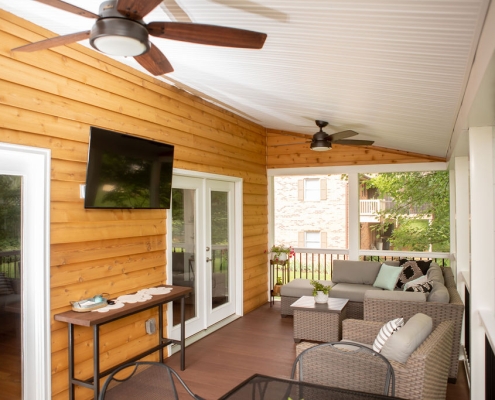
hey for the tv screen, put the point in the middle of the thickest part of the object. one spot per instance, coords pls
(127, 172)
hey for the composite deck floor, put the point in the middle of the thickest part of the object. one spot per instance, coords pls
(260, 342)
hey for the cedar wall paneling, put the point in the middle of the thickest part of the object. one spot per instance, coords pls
(288, 150)
(50, 99)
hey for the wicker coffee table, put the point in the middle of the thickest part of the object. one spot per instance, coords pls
(318, 322)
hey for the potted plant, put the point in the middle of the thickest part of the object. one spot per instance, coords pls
(277, 286)
(281, 252)
(320, 291)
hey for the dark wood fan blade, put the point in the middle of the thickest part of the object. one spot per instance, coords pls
(54, 42)
(136, 9)
(68, 7)
(207, 34)
(291, 144)
(342, 135)
(155, 61)
(354, 142)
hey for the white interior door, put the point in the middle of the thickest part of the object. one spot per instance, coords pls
(201, 231)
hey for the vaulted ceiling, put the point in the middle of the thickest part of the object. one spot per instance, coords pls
(395, 71)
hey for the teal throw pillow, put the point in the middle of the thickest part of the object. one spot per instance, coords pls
(387, 277)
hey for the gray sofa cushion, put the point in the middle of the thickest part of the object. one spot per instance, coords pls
(300, 287)
(351, 291)
(407, 339)
(395, 295)
(361, 272)
(435, 274)
(439, 293)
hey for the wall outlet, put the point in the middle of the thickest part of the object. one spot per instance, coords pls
(150, 326)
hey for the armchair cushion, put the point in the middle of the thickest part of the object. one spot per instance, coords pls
(361, 272)
(439, 293)
(386, 332)
(407, 339)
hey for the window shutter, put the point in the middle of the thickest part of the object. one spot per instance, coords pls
(300, 239)
(323, 240)
(323, 189)
(300, 190)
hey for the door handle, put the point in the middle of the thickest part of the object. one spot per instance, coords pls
(208, 259)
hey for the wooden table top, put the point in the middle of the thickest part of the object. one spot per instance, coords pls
(97, 318)
(307, 303)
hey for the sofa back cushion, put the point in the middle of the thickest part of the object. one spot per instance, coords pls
(362, 272)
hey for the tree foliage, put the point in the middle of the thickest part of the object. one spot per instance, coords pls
(420, 209)
(10, 212)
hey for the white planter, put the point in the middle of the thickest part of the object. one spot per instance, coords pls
(282, 256)
(379, 245)
(321, 298)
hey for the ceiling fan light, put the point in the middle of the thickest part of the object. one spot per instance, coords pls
(119, 37)
(320, 145)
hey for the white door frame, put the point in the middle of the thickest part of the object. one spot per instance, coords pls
(238, 232)
(33, 165)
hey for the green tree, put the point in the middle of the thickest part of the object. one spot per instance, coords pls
(420, 210)
(10, 212)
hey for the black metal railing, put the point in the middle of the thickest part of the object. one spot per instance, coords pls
(316, 264)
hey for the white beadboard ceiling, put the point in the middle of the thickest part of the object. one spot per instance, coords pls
(393, 70)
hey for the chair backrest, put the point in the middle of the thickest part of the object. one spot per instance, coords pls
(345, 365)
(143, 380)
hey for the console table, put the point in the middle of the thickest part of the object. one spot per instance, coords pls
(96, 319)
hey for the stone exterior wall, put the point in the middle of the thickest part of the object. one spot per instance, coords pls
(294, 216)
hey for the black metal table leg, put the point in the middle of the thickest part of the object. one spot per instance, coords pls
(96, 360)
(182, 333)
(70, 329)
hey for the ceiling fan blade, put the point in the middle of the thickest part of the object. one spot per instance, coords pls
(207, 34)
(354, 142)
(68, 7)
(136, 9)
(342, 135)
(155, 61)
(54, 42)
(290, 144)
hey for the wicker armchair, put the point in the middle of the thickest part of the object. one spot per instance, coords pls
(385, 310)
(425, 373)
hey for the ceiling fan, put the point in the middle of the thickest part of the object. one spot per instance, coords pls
(322, 141)
(119, 30)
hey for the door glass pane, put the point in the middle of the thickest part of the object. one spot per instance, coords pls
(184, 248)
(220, 247)
(10, 287)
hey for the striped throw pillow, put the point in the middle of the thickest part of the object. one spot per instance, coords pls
(5, 286)
(386, 331)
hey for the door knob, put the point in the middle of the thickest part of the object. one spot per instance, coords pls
(208, 259)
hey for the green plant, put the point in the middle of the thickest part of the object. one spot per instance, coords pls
(279, 281)
(320, 287)
(277, 250)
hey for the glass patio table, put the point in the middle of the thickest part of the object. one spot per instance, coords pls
(262, 387)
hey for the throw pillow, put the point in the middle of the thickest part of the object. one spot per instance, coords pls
(404, 342)
(386, 331)
(410, 272)
(421, 279)
(387, 277)
(5, 286)
(425, 287)
(423, 265)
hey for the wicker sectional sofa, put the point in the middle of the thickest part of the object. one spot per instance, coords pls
(354, 280)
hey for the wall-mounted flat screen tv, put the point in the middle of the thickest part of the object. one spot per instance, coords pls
(127, 172)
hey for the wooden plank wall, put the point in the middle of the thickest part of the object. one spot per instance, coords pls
(288, 150)
(49, 99)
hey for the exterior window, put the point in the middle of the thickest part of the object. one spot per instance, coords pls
(312, 240)
(312, 189)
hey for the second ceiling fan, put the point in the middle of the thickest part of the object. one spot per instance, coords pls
(322, 141)
(119, 30)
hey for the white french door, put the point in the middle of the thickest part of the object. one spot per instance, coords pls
(201, 227)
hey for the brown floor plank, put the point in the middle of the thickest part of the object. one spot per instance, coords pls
(259, 342)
